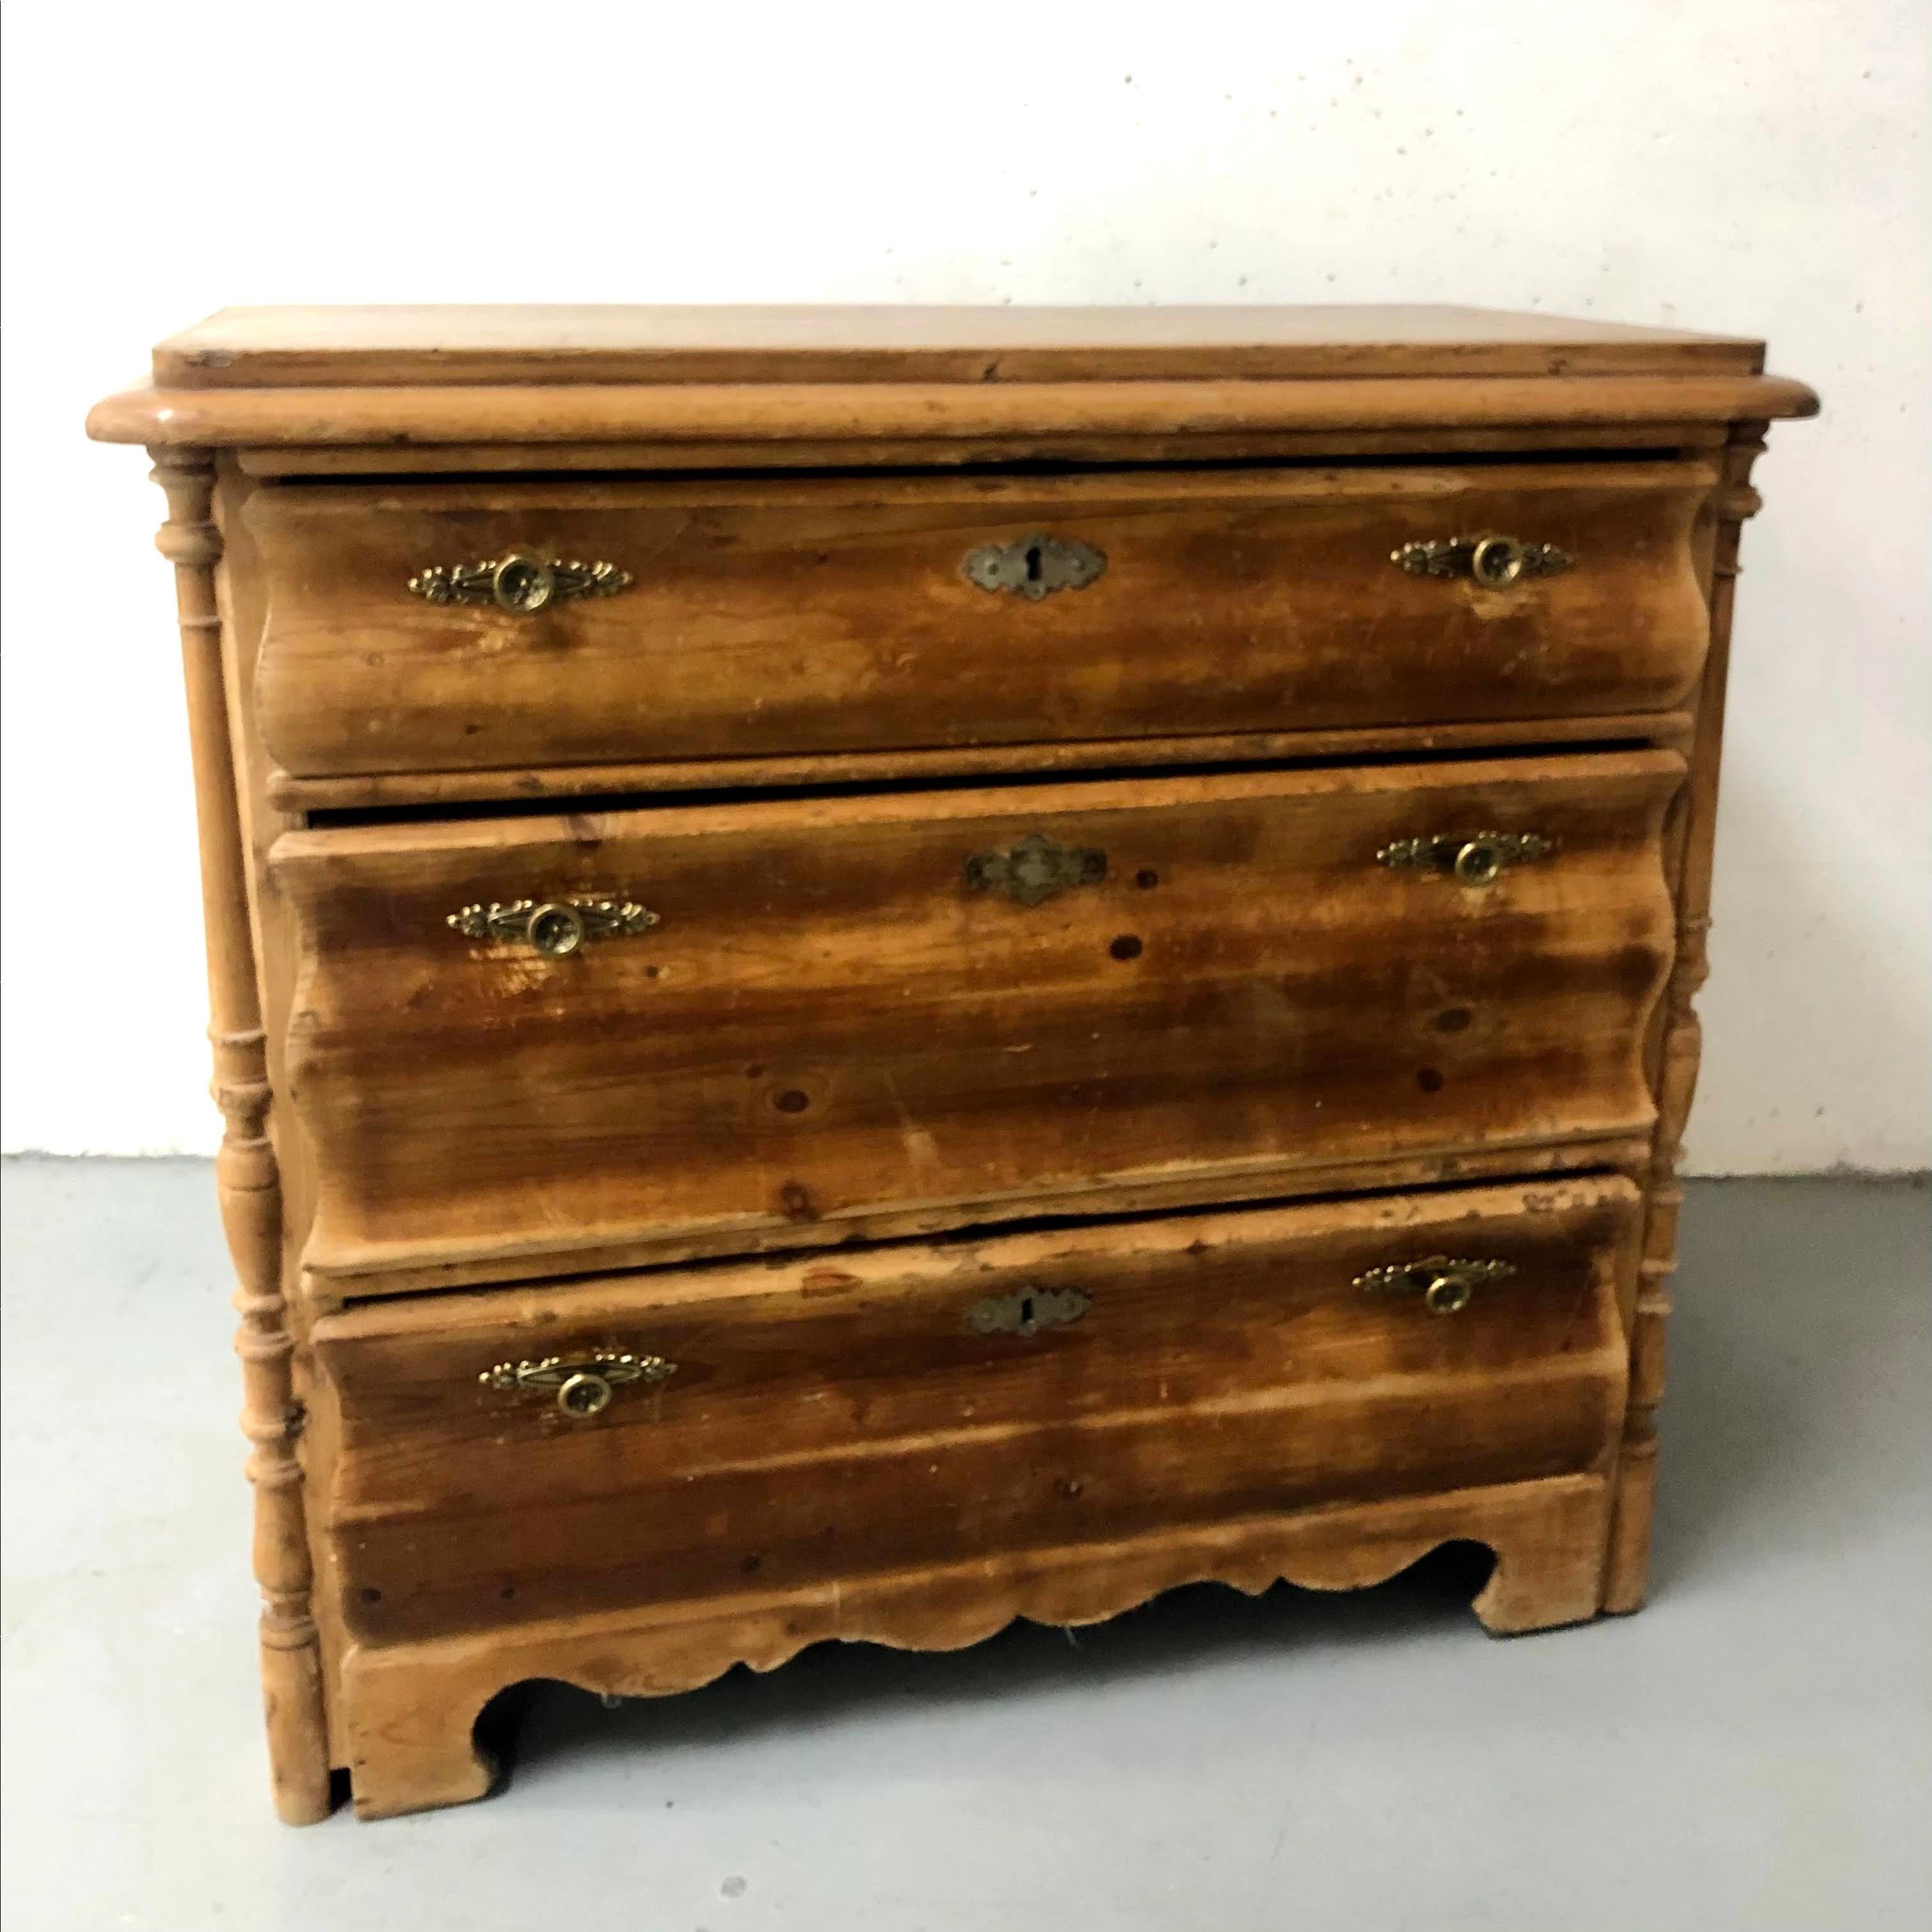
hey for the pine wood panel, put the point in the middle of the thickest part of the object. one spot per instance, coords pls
(295, 346)
(413, 1707)
(830, 1024)
(841, 1416)
(772, 618)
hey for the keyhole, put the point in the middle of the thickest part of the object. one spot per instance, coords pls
(1032, 563)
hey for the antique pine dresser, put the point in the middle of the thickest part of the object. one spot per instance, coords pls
(876, 971)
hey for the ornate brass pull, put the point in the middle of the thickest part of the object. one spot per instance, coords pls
(582, 1387)
(1035, 566)
(1035, 870)
(1491, 559)
(521, 585)
(1471, 858)
(1027, 1311)
(555, 927)
(1444, 1283)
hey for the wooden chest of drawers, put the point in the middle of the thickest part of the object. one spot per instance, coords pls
(879, 971)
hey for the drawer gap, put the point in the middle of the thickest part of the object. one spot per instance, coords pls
(1669, 728)
(976, 1233)
(1019, 467)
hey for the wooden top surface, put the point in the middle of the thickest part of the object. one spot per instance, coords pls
(318, 347)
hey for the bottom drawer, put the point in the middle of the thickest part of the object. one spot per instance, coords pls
(782, 1423)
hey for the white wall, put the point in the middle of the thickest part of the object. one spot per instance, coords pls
(1756, 165)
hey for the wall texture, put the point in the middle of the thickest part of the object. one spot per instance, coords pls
(1757, 166)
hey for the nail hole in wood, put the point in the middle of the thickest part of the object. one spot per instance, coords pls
(1127, 947)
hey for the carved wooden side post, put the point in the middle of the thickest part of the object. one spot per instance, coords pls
(1628, 1568)
(246, 1176)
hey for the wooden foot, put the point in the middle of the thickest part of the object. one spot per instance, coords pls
(1627, 1575)
(291, 1709)
(1550, 1564)
(412, 1736)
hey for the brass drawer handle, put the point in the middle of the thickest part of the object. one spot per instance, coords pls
(1491, 559)
(583, 1387)
(1035, 870)
(1444, 1284)
(521, 585)
(1470, 858)
(1035, 566)
(556, 928)
(1027, 1311)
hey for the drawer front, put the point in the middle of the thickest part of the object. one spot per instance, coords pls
(765, 619)
(829, 1011)
(895, 1407)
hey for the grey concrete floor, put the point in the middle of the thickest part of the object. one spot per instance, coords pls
(1750, 1752)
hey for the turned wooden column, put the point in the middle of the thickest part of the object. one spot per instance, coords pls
(1627, 1572)
(247, 1179)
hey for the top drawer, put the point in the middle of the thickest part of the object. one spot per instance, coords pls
(762, 619)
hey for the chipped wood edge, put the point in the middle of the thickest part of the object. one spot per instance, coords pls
(411, 1709)
(247, 1180)
(1626, 1580)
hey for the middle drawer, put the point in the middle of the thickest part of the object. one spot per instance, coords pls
(523, 1044)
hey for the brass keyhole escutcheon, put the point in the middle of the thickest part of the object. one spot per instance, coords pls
(584, 1393)
(1478, 862)
(1035, 566)
(556, 929)
(523, 584)
(1496, 561)
(1447, 1294)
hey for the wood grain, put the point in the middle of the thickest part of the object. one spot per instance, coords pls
(776, 617)
(412, 1707)
(1024, 417)
(830, 1025)
(839, 1416)
(281, 347)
